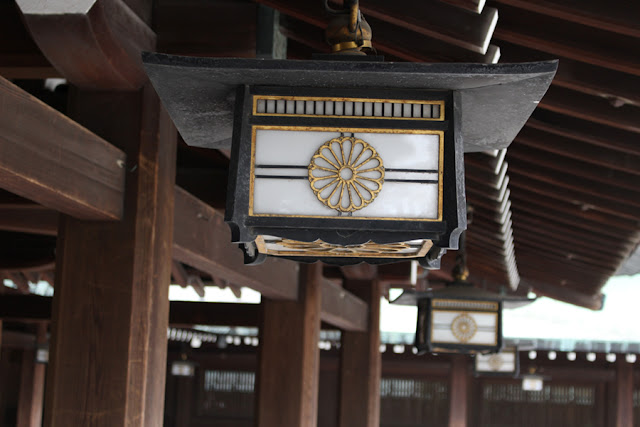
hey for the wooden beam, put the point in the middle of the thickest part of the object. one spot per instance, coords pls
(76, 172)
(109, 35)
(112, 330)
(361, 364)
(585, 131)
(592, 108)
(438, 20)
(288, 367)
(29, 220)
(202, 240)
(624, 394)
(472, 5)
(567, 39)
(592, 302)
(543, 139)
(458, 395)
(592, 14)
(342, 309)
(20, 58)
(30, 400)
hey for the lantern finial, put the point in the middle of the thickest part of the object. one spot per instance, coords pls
(348, 32)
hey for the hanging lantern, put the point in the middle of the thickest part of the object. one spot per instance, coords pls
(504, 363)
(346, 159)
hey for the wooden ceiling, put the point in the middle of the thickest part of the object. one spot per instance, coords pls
(558, 212)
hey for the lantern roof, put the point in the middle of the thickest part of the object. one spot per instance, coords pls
(496, 99)
(411, 297)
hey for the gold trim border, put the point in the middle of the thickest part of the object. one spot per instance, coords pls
(344, 99)
(495, 341)
(440, 133)
(492, 303)
(262, 248)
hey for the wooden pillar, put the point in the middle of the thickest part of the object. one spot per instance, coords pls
(624, 394)
(458, 385)
(361, 363)
(288, 366)
(110, 308)
(32, 385)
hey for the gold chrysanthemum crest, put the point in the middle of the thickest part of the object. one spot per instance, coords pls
(464, 327)
(346, 174)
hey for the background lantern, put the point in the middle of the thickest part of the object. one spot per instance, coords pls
(504, 363)
(459, 318)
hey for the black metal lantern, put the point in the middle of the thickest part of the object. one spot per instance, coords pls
(347, 161)
(348, 158)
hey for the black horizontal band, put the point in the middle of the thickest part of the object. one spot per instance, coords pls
(281, 177)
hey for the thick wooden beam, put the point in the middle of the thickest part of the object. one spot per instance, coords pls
(106, 36)
(361, 363)
(76, 172)
(289, 359)
(458, 395)
(362, 271)
(624, 394)
(342, 309)
(592, 302)
(202, 240)
(109, 336)
(32, 385)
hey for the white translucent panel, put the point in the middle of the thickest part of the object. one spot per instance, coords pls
(287, 197)
(407, 110)
(348, 108)
(405, 151)
(486, 333)
(320, 108)
(427, 111)
(377, 109)
(388, 109)
(299, 107)
(310, 107)
(401, 200)
(299, 146)
(281, 171)
(436, 111)
(368, 108)
(482, 319)
(499, 362)
(417, 110)
(271, 106)
(328, 108)
(261, 106)
(339, 110)
(397, 110)
(291, 107)
(358, 108)
(407, 158)
(280, 106)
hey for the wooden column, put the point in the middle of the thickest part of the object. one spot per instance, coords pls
(32, 385)
(361, 363)
(458, 385)
(288, 366)
(110, 309)
(624, 394)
